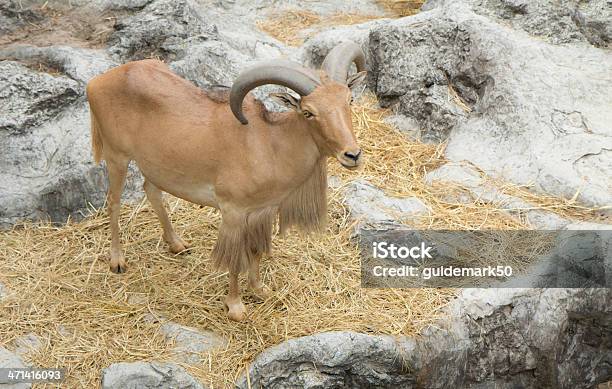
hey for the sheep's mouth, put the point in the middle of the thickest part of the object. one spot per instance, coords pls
(350, 167)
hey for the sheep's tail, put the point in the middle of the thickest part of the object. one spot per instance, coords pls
(96, 139)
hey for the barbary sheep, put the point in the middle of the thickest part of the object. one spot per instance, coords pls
(186, 141)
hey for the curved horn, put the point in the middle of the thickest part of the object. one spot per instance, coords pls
(279, 72)
(338, 61)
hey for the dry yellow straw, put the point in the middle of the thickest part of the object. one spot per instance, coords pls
(88, 318)
(288, 26)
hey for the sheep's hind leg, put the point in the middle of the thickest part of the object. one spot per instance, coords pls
(117, 171)
(154, 195)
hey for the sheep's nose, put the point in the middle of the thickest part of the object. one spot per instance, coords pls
(353, 155)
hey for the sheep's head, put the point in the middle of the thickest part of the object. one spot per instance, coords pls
(324, 101)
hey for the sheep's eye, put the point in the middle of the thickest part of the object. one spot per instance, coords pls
(307, 114)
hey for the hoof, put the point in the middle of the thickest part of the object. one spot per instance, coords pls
(118, 266)
(236, 311)
(262, 292)
(178, 246)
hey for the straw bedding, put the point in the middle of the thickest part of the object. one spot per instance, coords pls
(88, 318)
(293, 26)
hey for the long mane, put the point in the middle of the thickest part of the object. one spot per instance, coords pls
(305, 207)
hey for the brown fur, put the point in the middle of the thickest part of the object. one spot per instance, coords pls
(238, 245)
(267, 115)
(96, 140)
(306, 206)
(218, 93)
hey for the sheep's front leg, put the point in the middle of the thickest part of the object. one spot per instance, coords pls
(260, 290)
(230, 253)
(235, 308)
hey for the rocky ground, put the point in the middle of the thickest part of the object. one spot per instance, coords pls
(519, 91)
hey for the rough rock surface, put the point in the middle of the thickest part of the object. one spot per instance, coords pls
(331, 360)
(44, 133)
(502, 338)
(471, 180)
(509, 120)
(11, 360)
(515, 105)
(406, 125)
(163, 28)
(190, 343)
(12, 16)
(370, 205)
(556, 21)
(51, 173)
(315, 49)
(47, 166)
(147, 375)
(77, 63)
(581, 258)
(29, 97)
(27, 343)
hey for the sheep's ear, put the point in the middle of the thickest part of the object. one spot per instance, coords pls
(287, 99)
(356, 79)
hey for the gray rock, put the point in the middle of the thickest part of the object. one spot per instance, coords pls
(28, 98)
(46, 162)
(14, 16)
(315, 49)
(3, 291)
(588, 226)
(130, 5)
(502, 338)
(332, 360)
(334, 182)
(506, 101)
(11, 360)
(64, 331)
(606, 244)
(211, 63)
(379, 217)
(27, 343)
(190, 343)
(147, 375)
(48, 169)
(79, 64)
(406, 125)
(471, 180)
(137, 298)
(370, 205)
(515, 337)
(579, 259)
(50, 173)
(163, 28)
(556, 21)
(539, 219)
(594, 19)
(582, 257)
